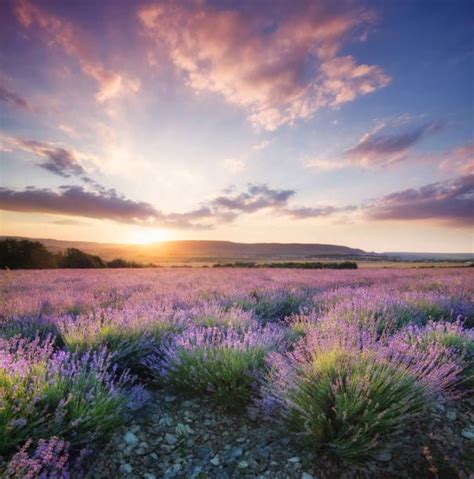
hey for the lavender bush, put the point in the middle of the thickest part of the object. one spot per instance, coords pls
(48, 393)
(47, 461)
(343, 358)
(221, 363)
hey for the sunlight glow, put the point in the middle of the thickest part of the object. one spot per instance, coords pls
(147, 236)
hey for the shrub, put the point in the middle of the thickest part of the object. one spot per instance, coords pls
(75, 258)
(450, 337)
(128, 341)
(273, 306)
(47, 461)
(25, 254)
(221, 363)
(45, 393)
(350, 404)
(30, 327)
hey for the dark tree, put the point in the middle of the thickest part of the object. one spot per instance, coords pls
(75, 258)
(25, 254)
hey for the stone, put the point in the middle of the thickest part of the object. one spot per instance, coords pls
(243, 465)
(235, 452)
(468, 433)
(195, 473)
(183, 429)
(171, 438)
(294, 459)
(451, 414)
(126, 468)
(215, 460)
(306, 475)
(384, 456)
(252, 413)
(130, 438)
(202, 452)
(147, 475)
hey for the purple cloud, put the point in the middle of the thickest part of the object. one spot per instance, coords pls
(257, 197)
(302, 213)
(12, 99)
(77, 201)
(379, 148)
(448, 201)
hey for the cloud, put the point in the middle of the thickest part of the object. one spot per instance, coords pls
(449, 201)
(280, 64)
(323, 164)
(303, 213)
(261, 145)
(56, 159)
(234, 165)
(459, 160)
(13, 100)
(381, 148)
(108, 204)
(77, 201)
(63, 33)
(257, 197)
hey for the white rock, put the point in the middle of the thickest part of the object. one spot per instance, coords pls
(170, 438)
(127, 468)
(130, 438)
(215, 460)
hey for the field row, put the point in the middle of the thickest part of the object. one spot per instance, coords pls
(344, 362)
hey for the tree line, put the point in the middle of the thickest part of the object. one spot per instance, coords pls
(26, 254)
(290, 264)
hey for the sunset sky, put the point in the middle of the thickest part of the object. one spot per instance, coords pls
(280, 121)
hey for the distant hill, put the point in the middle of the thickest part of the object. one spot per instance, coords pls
(431, 256)
(207, 251)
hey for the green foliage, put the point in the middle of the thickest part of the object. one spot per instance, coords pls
(290, 265)
(462, 344)
(42, 403)
(352, 405)
(226, 374)
(25, 254)
(75, 258)
(123, 263)
(273, 307)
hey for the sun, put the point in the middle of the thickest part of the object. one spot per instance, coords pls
(149, 235)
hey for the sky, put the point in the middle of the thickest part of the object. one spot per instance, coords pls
(308, 121)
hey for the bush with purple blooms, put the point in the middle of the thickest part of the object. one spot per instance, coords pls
(48, 461)
(346, 360)
(349, 404)
(47, 393)
(221, 363)
(348, 389)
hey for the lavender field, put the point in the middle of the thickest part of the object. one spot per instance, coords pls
(194, 373)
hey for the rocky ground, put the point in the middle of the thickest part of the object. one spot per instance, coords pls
(181, 438)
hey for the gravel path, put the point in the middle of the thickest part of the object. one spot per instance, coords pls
(181, 438)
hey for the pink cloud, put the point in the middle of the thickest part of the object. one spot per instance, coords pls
(65, 34)
(280, 71)
(460, 160)
(384, 146)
